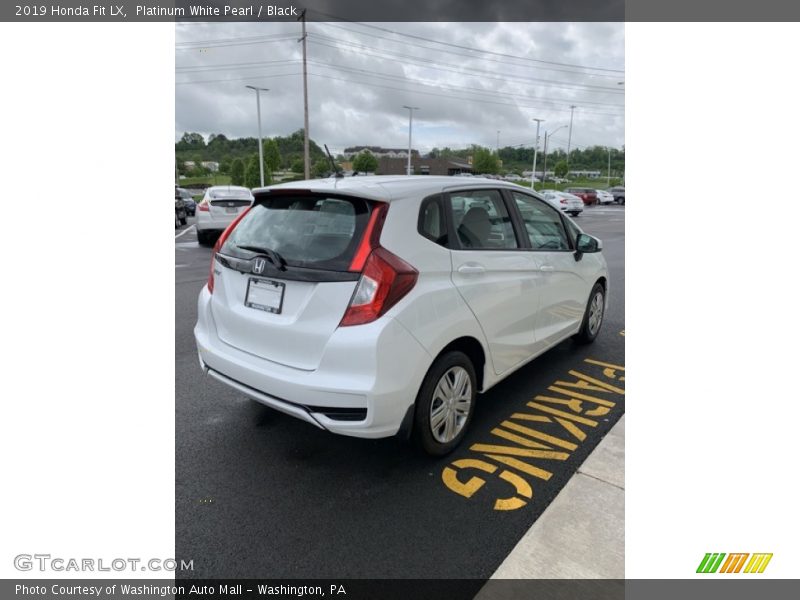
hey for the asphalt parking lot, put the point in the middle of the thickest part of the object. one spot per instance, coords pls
(259, 494)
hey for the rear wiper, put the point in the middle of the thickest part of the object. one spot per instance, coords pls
(275, 258)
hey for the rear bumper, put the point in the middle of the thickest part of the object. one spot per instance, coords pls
(367, 378)
(206, 222)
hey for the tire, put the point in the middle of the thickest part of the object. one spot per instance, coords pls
(183, 221)
(592, 323)
(203, 238)
(439, 435)
(574, 213)
(177, 221)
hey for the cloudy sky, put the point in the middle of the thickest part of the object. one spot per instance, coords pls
(469, 80)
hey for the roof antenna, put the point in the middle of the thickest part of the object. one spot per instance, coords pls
(336, 172)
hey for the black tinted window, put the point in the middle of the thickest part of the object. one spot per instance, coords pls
(431, 221)
(306, 231)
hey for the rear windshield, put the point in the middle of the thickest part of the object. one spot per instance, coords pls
(318, 232)
(230, 194)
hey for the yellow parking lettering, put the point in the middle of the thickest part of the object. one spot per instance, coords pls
(561, 413)
(603, 384)
(574, 404)
(598, 412)
(572, 428)
(513, 437)
(579, 396)
(522, 466)
(473, 484)
(537, 434)
(523, 489)
(609, 371)
(581, 385)
(529, 452)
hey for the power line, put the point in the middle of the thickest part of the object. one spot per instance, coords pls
(443, 67)
(232, 79)
(472, 49)
(495, 60)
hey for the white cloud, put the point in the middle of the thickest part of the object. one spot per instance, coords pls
(360, 76)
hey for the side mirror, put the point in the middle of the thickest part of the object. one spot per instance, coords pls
(586, 244)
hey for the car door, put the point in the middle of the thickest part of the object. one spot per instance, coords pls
(564, 284)
(493, 273)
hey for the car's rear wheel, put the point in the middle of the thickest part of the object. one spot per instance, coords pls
(183, 220)
(575, 213)
(445, 404)
(593, 317)
(177, 221)
(204, 238)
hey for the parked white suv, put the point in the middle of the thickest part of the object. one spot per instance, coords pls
(380, 306)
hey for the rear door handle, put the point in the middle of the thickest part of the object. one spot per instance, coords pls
(471, 269)
(547, 268)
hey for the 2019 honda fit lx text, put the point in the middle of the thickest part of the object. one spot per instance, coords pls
(382, 305)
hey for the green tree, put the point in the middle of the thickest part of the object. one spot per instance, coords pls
(320, 169)
(561, 169)
(298, 166)
(252, 173)
(483, 161)
(237, 171)
(272, 156)
(365, 162)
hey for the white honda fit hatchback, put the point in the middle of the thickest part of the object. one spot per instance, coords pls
(220, 206)
(380, 306)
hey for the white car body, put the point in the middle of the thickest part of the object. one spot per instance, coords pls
(569, 203)
(604, 197)
(221, 204)
(505, 305)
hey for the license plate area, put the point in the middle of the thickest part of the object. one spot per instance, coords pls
(231, 210)
(265, 294)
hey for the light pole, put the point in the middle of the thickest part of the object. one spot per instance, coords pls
(535, 152)
(546, 136)
(411, 110)
(569, 139)
(260, 143)
(608, 180)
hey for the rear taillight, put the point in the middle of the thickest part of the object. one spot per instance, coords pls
(203, 206)
(563, 201)
(385, 280)
(219, 244)
(369, 241)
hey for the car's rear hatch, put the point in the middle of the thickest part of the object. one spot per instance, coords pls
(282, 278)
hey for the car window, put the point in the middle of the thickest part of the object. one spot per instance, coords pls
(314, 231)
(543, 223)
(481, 220)
(431, 221)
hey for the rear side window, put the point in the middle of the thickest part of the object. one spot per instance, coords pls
(316, 232)
(481, 221)
(431, 220)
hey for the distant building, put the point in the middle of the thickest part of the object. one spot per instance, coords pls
(210, 165)
(379, 152)
(423, 166)
(189, 164)
(587, 174)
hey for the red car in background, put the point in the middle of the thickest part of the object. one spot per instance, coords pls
(588, 195)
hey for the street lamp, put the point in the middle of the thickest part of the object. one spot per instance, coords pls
(546, 136)
(535, 152)
(411, 110)
(260, 144)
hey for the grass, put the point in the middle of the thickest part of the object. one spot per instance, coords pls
(217, 179)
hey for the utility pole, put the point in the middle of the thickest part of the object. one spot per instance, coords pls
(546, 135)
(535, 152)
(569, 139)
(260, 142)
(306, 159)
(498, 143)
(411, 110)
